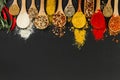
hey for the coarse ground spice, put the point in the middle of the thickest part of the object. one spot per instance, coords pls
(114, 25)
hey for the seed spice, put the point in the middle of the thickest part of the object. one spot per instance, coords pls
(59, 21)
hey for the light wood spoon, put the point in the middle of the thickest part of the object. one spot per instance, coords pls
(41, 21)
(14, 8)
(59, 18)
(97, 19)
(79, 19)
(23, 19)
(108, 11)
(33, 10)
(69, 9)
(114, 23)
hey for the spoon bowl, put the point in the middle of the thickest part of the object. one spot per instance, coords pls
(114, 23)
(108, 11)
(69, 9)
(32, 10)
(41, 20)
(23, 19)
(79, 19)
(14, 8)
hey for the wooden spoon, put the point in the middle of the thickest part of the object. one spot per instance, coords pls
(114, 23)
(97, 19)
(108, 11)
(23, 19)
(41, 21)
(32, 10)
(69, 9)
(14, 8)
(59, 18)
(79, 19)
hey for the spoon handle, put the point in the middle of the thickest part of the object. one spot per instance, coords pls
(60, 5)
(33, 3)
(70, 2)
(116, 8)
(97, 5)
(79, 6)
(15, 2)
(23, 8)
(42, 10)
(109, 2)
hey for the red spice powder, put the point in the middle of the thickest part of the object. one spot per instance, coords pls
(98, 34)
(98, 24)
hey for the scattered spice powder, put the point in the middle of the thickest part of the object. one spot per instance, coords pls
(80, 37)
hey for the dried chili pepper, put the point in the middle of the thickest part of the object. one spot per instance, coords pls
(4, 19)
(10, 17)
(7, 11)
(13, 24)
(4, 14)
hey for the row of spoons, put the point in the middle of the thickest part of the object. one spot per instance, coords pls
(41, 19)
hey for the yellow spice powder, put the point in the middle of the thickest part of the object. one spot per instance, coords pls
(79, 37)
(79, 20)
(50, 8)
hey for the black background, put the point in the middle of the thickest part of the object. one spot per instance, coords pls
(46, 57)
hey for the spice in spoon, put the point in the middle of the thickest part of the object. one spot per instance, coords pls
(41, 20)
(98, 23)
(14, 8)
(114, 23)
(32, 10)
(69, 10)
(23, 19)
(108, 11)
(59, 20)
(79, 25)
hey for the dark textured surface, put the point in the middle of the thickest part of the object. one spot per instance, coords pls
(45, 57)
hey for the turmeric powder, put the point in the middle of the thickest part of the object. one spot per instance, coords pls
(79, 25)
(50, 8)
(79, 37)
(79, 20)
